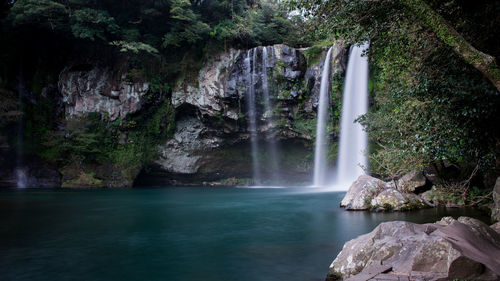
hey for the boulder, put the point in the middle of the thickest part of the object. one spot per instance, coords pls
(495, 209)
(393, 200)
(464, 249)
(361, 193)
(411, 181)
(389, 199)
(496, 227)
(371, 193)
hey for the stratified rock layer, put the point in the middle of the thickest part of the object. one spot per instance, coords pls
(88, 88)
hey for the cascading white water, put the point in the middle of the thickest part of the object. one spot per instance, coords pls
(320, 166)
(353, 139)
(21, 178)
(271, 144)
(252, 118)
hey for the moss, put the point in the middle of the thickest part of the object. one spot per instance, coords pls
(388, 207)
(334, 276)
(313, 55)
(83, 180)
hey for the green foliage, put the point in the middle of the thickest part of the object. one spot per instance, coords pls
(134, 47)
(187, 27)
(128, 145)
(313, 55)
(429, 104)
(91, 24)
(306, 126)
(45, 13)
(85, 180)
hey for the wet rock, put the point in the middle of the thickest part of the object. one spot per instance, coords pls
(212, 115)
(374, 194)
(182, 153)
(463, 249)
(392, 200)
(88, 88)
(495, 210)
(313, 73)
(496, 227)
(361, 193)
(294, 62)
(389, 199)
(411, 181)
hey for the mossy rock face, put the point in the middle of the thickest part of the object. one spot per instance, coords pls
(97, 176)
(232, 166)
(83, 180)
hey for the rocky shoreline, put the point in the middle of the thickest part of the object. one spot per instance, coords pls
(465, 249)
(450, 249)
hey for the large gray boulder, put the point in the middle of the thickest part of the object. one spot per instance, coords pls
(465, 249)
(394, 200)
(371, 193)
(411, 181)
(496, 227)
(390, 199)
(361, 193)
(495, 210)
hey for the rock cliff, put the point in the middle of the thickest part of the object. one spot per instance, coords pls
(211, 140)
(89, 88)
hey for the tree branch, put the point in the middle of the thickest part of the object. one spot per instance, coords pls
(485, 63)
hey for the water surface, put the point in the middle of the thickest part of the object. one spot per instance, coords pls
(179, 233)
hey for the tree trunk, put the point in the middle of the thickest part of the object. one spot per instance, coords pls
(483, 62)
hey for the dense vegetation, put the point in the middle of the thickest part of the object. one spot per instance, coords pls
(158, 41)
(435, 80)
(434, 76)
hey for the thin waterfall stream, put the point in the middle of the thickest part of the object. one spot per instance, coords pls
(252, 118)
(353, 139)
(21, 177)
(271, 138)
(320, 151)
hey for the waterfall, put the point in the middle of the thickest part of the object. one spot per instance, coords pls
(252, 119)
(320, 166)
(271, 144)
(21, 178)
(353, 139)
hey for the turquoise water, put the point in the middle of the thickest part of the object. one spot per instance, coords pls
(179, 233)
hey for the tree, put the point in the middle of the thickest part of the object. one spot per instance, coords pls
(431, 104)
(485, 63)
(45, 13)
(187, 27)
(90, 24)
(368, 16)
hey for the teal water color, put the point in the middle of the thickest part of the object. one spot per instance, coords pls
(188, 234)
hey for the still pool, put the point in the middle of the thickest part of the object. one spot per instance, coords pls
(188, 234)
